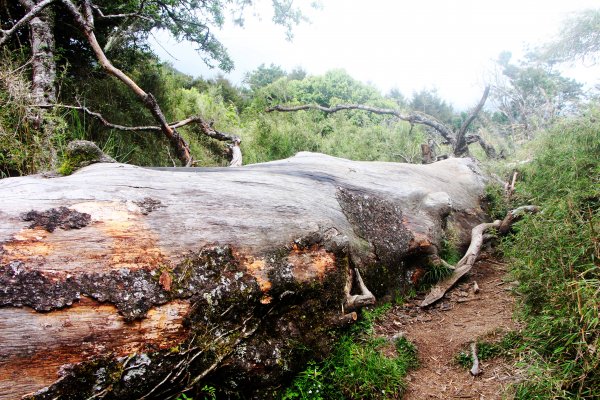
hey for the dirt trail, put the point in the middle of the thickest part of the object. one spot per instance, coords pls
(448, 327)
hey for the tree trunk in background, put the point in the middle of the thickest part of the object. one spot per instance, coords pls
(125, 282)
(43, 65)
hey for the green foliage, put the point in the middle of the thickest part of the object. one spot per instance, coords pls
(531, 95)
(206, 392)
(358, 367)
(435, 273)
(555, 256)
(264, 76)
(495, 200)
(350, 134)
(429, 102)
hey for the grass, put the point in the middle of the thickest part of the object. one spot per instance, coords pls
(555, 257)
(506, 347)
(358, 367)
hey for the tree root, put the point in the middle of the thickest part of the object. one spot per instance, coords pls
(466, 263)
(356, 301)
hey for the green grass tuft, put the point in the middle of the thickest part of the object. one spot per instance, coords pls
(555, 257)
(358, 367)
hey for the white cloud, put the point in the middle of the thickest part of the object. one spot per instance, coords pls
(390, 43)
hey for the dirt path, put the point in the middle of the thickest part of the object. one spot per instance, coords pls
(442, 331)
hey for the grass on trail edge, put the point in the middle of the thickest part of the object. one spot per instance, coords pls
(555, 257)
(357, 368)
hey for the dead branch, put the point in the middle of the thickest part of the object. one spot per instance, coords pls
(514, 215)
(345, 319)
(463, 266)
(490, 151)
(412, 118)
(458, 140)
(461, 143)
(205, 127)
(510, 189)
(236, 154)
(6, 34)
(466, 263)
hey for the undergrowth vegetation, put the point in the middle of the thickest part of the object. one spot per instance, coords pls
(359, 367)
(555, 257)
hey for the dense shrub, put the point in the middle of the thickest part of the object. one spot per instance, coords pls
(556, 260)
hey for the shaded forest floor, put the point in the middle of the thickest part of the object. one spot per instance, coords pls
(442, 331)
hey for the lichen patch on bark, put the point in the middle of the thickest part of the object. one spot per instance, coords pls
(61, 217)
(377, 220)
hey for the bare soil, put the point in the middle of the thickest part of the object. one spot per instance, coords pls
(443, 330)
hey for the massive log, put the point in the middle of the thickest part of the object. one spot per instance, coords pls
(125, 282)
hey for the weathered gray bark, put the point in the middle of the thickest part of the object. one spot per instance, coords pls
(124, 282)
(41, 31)
(461, 140)
(43, 66)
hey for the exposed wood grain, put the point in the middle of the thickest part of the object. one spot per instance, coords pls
(35, 345)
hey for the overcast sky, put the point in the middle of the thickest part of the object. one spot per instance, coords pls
(404, 44)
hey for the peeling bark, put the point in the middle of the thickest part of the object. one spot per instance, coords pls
(139, 283)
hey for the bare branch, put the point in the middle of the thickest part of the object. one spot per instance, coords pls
(475, 111)
(475, 370)
(205, 127)
(461, 146)
(413, 118)
(490, 151)
(117, 16)
(6, 34)
(104, 121)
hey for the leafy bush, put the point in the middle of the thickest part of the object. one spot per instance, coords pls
(555, 257)
(357, 368)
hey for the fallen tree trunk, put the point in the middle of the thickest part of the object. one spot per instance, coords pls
(125, 282)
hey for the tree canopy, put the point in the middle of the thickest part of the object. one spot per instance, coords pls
(579, 39)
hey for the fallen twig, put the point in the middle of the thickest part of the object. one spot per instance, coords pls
(475, 371)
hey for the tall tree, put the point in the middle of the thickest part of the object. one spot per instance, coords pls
(263, 76)
(531, 94)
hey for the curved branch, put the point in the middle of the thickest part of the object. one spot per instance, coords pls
(461, 146)
(476, 110)
(205, 127)
(6, 34)
(490, 151)
(413, 118)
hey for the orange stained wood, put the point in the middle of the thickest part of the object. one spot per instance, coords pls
(310, 263)
(33, 346)
(259, 269)
(117, 237)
